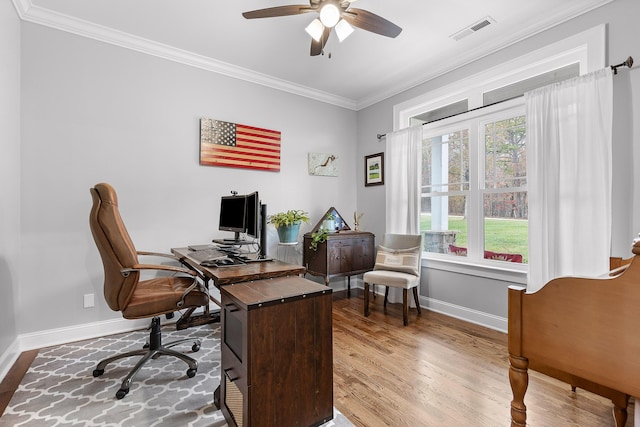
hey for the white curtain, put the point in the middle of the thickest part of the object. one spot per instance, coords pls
(569, 151)
(403, 163)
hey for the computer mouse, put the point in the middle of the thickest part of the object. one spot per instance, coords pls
(224, 261)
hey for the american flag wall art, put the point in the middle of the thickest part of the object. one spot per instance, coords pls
(240, 146)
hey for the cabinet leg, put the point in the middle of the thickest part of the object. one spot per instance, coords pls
(366, 299)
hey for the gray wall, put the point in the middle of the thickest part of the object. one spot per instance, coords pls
(457, 293)
(94, 112)
(9, 176)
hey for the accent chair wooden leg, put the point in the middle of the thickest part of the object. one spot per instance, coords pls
(366, 299)
(386, 295)
(405, 307)
(415, 298)
(519, 380)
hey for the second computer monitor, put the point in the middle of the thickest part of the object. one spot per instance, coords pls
(252, 216)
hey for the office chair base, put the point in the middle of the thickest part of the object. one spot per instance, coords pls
(152, 350)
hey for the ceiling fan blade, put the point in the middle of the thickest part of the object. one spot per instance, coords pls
(272, 12)
(318, 46)
(371, 22)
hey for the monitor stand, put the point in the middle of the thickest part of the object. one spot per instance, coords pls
(231, 242)
(235, 241)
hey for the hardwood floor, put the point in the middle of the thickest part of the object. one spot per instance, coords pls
(438, 371)
(12, 380)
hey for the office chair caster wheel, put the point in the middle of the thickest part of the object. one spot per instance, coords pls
(98, 372)
(191, 372)
(122, 393)
(195, 347)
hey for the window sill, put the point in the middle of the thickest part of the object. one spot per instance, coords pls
(493, 270)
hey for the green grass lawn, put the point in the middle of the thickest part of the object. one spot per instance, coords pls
(501, 235)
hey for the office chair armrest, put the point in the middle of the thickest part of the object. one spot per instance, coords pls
(157, 254)
(195, 274)
(138, 267)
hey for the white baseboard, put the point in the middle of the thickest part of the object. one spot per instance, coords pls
(481, 318)
(467, 314)
(51, 337)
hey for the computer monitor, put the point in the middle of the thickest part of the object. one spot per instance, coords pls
(232, 214)
(252, 215)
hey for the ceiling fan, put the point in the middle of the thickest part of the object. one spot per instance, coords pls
(332, 14)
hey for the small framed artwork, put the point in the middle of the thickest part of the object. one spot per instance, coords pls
(374, 169)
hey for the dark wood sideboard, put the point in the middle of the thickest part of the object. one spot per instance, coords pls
(345, 253)
(277, 353)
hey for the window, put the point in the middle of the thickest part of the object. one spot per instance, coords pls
(474, 194)
(479, 197)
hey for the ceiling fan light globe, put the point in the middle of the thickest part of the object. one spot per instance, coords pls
(343, 30)
(329, 15)
(315, 29)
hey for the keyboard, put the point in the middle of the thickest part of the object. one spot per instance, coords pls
(207, 254)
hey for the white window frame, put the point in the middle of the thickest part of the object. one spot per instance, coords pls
(588, 49)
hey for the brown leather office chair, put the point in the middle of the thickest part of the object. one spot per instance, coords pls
(135, 298)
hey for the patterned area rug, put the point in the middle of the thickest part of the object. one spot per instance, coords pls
(59, 388)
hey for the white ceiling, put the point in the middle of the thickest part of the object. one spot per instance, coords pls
(362, 70)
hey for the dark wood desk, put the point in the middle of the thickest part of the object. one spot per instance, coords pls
(228, 275)
(240, 273)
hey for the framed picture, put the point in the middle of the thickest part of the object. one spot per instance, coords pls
(374, 169)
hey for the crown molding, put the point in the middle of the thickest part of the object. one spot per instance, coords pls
(37, 15)
(459, 61)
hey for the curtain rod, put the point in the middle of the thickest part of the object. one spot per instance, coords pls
(627, 63)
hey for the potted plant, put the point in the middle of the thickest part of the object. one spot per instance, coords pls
(287, 224)
(330, 222)
(318, 237)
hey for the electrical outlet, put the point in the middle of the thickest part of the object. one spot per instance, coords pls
(88, 301)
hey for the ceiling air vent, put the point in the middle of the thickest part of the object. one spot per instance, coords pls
(476, 26)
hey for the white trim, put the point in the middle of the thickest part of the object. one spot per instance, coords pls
(477, 317)
(463, 313)
(31, 13)
(497, 270)
(50, 337)
(588, 48)
(37, 15)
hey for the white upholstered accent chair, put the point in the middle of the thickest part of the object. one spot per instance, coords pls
(397, 266)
